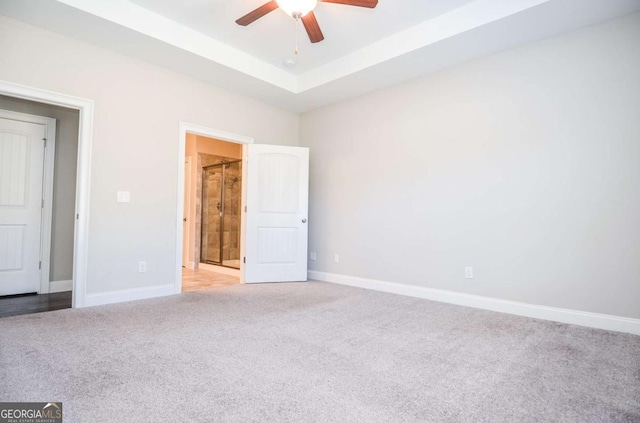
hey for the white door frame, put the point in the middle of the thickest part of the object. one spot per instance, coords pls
(47, 189)
(182, 140)
(83, 176)
(186, 243)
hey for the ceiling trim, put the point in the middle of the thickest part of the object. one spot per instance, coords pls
(151, 24)
(456, 22)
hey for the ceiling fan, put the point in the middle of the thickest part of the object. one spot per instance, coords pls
(301, 10)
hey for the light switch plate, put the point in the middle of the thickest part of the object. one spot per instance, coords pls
(468, 272)
(124, 196)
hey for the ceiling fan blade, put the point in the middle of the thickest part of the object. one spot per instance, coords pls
(361, 3)
(313, 29)
(258, 13)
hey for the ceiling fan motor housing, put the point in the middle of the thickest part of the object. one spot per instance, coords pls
(297, 8)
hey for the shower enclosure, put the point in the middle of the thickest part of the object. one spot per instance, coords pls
(221, 203)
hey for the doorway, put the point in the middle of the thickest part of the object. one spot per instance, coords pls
(212, 219)
(38, 157)
(84, 108)
(273, 215)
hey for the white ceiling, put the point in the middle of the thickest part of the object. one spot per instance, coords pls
(364, 49)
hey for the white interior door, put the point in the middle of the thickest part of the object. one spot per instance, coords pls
(21, 202)
(277, 205)
(186, 243)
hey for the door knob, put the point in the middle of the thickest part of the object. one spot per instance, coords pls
(184, 220)
(304, 220)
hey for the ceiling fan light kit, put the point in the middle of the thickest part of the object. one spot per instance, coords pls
(297, 8)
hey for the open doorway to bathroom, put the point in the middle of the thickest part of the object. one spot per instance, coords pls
(212, 213)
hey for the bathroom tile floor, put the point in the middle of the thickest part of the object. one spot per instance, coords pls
(198, 280)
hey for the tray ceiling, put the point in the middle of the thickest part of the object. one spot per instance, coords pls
(364, 49)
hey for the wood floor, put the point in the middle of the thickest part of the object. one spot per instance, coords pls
(15, 305)
(198, 280)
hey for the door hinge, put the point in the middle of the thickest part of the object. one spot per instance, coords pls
(245, 209)
(77, 216)
(244, 259)
(45, 142)
(40, 265)
(42, 204)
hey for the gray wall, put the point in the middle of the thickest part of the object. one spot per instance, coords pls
(138, 110)
(524, 164)
(64, 183)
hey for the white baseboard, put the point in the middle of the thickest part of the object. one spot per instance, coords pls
(574, 317)
(60, 286)
(128, 295)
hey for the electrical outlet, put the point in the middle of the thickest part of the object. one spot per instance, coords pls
(336, 258)
(313, 256)
(468, 272)
(142, 266)
(124, 196)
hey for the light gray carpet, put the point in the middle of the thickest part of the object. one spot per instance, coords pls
(315, 352)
